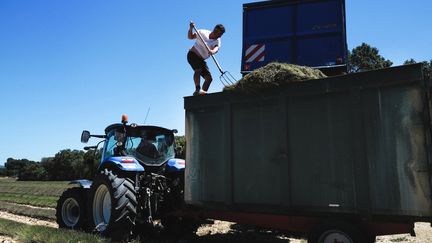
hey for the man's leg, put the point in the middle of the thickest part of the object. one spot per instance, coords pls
(197, 81)
(196, 64)
(208, 79)
(196, 78)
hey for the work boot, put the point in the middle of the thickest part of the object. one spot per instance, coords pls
(199, 92)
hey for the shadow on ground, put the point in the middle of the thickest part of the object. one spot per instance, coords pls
(236, 233)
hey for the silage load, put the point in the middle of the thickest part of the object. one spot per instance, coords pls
(273, 75)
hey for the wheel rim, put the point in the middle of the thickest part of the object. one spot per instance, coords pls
(335, 236)
(102, 207)
(70, 212)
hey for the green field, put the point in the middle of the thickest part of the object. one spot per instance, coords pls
(15, 195)
(32, 233)
(38, 188)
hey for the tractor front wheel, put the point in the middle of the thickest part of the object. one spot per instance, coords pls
(70, 210)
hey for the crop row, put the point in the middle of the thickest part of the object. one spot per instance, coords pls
(40, 213)
(42, 188)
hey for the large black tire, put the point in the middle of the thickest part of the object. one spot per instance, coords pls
(70, 210)
(113, 205)
(337, 231)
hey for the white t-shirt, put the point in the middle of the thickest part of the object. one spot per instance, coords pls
(211, 43)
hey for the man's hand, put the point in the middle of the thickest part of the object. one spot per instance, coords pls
(214, 50)
(191, 35)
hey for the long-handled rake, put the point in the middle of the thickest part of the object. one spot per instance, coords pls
(226, 78)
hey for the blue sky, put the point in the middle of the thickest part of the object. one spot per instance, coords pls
(70, 65)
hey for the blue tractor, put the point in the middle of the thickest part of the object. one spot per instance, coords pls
(138, 181)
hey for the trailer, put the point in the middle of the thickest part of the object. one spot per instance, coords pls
(343, 158)
(303, 32)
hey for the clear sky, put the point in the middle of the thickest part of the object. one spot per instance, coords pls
(71, 65)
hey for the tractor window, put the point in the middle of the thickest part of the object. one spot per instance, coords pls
(149, 146)
(150, 149)
(110, 145)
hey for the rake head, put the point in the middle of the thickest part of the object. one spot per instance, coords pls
(227, 79)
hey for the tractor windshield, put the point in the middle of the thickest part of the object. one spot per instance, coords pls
(149, 144)
(150, 147)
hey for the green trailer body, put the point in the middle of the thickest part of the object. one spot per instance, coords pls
(357, 144)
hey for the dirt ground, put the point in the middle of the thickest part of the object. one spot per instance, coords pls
(27, 220)
(5, 239)
(423, 235)
(224, 232)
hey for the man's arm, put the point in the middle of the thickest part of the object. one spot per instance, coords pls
(191, 35)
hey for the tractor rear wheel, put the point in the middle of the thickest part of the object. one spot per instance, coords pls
(70, 210)
(113, 205)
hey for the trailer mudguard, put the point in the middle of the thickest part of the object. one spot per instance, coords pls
(123, 163)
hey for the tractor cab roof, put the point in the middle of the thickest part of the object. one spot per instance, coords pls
(136, 128)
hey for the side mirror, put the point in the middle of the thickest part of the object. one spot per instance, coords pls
(86, 148)
(85, 136)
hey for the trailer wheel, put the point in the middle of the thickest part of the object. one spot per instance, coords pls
(70, 210)
(113, 205)
(336, 232)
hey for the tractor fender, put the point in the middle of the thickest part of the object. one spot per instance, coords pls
(176, 165)
(82, 183)
(122, 163)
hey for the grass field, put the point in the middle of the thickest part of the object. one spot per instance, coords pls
(15, 196)
(35, 200)
(33, 233)
(38, 188)
(35, 193)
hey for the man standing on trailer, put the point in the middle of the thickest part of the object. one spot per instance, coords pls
(199, 52)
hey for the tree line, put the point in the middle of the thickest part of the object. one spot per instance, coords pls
(72, 164)
(365, 57)
(65, 165)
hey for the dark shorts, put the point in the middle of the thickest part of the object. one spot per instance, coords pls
(198, 64)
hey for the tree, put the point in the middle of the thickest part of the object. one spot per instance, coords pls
(14, 166)
(32, 172)
(66, 165)
(426, 65)
(180, 145)
(91, 163)
(365, 57)
(3, 171)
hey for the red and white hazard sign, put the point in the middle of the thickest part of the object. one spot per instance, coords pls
(255, 53)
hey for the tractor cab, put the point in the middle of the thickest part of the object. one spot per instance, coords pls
(133, 147)
(150, 145)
